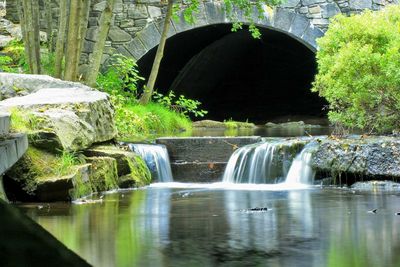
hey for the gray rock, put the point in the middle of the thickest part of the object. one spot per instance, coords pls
(312, 2)
(291, 3)
(12, 83)
(150, 36)
(119, 36)
(283, 19)
(370, 157)
(137, 11)
(329, 10)
(5, 40)
(4, 123)
(136, 48)
(99, 6)
(11, 150)
(360, 4)
(78, 116)
(385, 186)
(154, 11)
(91, 33)
(209, 124)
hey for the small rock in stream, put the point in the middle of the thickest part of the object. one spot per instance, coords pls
(373, 211)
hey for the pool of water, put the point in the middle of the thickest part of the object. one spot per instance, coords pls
(198, 225)
(263, 131)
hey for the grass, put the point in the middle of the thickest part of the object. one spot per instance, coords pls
(231, 124)
(138, 122)
(47, 165)
(24, 121)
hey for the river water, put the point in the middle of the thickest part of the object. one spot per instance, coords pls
(212, 225)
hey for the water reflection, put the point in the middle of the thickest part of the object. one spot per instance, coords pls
(263, 131)
(193, 227)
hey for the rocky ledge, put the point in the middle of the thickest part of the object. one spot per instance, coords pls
(359, 157)
(72, 116)
(65, 122)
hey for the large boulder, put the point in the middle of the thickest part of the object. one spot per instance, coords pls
(77, 116)
(363, 156)
(14, 84)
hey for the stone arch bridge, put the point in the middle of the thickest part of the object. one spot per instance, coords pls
(233, 74)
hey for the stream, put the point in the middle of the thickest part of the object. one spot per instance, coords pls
(195, 225)
(259, 214)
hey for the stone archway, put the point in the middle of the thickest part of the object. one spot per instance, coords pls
(194, 72)
(293, 24)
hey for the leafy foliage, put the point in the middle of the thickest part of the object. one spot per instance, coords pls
(135, 121)
(121, 79)
(182, 105)
(14, 59)
(358, 70)
(238, 11)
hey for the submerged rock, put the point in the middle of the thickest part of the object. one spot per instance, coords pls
(291, 124)
(209, 124)
(376, 186)
(222, 125)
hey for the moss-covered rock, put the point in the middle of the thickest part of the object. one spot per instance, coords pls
(69, 187)
(43, 176)
(77, 116)
(359, 155)
(104, 174)
(291, 124)
(131, 168)
(223, 125)
(139, 172)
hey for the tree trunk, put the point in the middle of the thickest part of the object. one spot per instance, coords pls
(84, 23)
(95, 61)
(148, 92)
(31, 33)
(62, 32)
(24, 32)
(73, 41)
(49, 24)
(36, 36)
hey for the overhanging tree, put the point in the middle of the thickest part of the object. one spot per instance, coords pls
(358, 70)
(232, 7)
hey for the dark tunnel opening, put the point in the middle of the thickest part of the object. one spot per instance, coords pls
(239, 77)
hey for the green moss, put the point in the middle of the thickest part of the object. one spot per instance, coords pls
(231, 124)
(82, 184)
(104, 175)
(37, 166)
(140, 173)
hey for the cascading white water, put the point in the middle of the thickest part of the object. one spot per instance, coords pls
(301, 171)
(259, 164)
(252, 164)
(157, 159)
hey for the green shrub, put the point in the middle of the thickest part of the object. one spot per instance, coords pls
(182, 105)
(134, 121)
(359, 70)
(121, 78)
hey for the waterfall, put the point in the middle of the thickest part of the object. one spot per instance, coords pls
(301, 171)
(157, 159)
(254, 164)
(264, 163)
